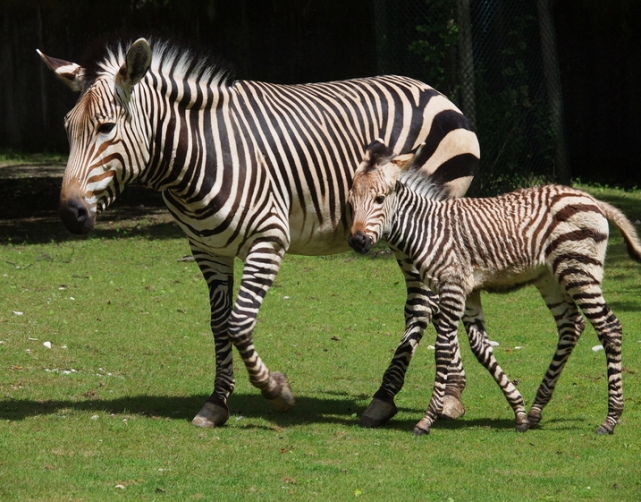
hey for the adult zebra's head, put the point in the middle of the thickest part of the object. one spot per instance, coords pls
(373, 193)
(108, 139)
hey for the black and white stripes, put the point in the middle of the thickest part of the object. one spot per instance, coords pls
(554, 237)
(249, 170)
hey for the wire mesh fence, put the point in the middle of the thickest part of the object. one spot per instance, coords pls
(496, 59)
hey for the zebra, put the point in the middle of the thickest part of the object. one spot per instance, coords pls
(251, 170)
(553, 236)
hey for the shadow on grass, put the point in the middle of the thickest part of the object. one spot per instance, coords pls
(340, 410)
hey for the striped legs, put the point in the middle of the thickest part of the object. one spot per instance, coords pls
(219, 274)
(452, 307)
(474, 321)
(585, 291)
(261, 266)
(235, 327)
(420, 305)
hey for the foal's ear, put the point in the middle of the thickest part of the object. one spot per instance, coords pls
(137, 62)
(72, 74)
(376, 152)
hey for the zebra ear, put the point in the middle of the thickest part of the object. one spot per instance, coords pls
(376, 152)
(137, 62)
(72, 74)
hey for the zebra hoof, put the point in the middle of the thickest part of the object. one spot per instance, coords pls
(422, 428)
(522, 423)
(452, 408)
(605, 428)
(534, 416)
(284, 400)
(211, 415)
(378, 413)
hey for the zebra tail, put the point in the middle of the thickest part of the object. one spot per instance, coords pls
(626, 228)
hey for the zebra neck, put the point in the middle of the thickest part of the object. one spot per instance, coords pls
(184, 152)
(411, 216)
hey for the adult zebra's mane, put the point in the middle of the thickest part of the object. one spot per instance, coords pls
(169, 58)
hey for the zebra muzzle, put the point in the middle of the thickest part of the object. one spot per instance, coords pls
(359, 242)
(76, 216)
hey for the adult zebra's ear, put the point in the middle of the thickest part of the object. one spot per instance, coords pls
(72, 74)
(136, 64)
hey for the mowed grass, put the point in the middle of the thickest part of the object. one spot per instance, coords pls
(104, 413)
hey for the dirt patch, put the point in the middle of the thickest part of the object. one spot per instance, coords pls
(29, 208)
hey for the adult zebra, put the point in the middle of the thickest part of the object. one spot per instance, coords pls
(252, 170)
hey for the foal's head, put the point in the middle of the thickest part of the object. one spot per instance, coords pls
(372, 195)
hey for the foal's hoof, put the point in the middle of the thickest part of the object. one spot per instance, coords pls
(284, 399)
(522, 423)
(211, 415)
(452, 408)
(377, 413)
(422, 428)
(606, 427)
(534, 416)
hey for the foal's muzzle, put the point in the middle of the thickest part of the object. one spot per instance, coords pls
(360, 242)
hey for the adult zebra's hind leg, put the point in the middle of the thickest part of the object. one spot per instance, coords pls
(420, 305)
(570, 325)
(474, 321)
(219, 274)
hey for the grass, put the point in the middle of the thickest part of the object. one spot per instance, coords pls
(104, 414)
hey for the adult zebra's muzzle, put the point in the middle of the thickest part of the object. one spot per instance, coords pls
(76, 215)
(360, 242)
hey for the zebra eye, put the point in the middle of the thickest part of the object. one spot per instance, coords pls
(106, 127)
(379, 199)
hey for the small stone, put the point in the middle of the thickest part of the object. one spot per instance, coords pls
(47, 345)
(493, 343)
(597, 348)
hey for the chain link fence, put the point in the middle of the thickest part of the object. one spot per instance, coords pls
(496, 59)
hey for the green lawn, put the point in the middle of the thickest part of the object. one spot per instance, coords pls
(104, 413)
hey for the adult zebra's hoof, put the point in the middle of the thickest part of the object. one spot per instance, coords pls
(522, 422)
(283, 399)
(377, 413)
(452, 408)
(211, 415)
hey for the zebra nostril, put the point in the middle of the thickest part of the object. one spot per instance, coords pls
(76, 216)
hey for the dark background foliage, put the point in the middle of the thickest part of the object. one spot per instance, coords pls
(294, 41)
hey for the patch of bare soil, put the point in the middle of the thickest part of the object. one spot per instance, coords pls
(29, 208)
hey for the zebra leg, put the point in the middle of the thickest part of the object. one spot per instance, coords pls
(609, 331)
(219, 274)
(474, 321)
(420, 304)
(261, 266)
(452, 307)
(570, 325)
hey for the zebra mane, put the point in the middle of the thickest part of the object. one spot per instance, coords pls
(169, 58)
(423, 184)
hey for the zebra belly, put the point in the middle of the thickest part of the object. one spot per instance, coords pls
(323, 241)
(506, 280)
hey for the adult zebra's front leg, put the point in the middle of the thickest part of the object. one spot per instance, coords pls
(219, 274)
(261, 266)
(420, 306)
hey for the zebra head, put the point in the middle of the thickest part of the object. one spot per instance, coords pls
(107, 139)
(372, 195)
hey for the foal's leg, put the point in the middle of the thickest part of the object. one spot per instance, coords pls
(474, 321)
(452, 307)
(608, 329)
(570, 325)
(419, 307)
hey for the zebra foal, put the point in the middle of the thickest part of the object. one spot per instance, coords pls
(554, 237)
